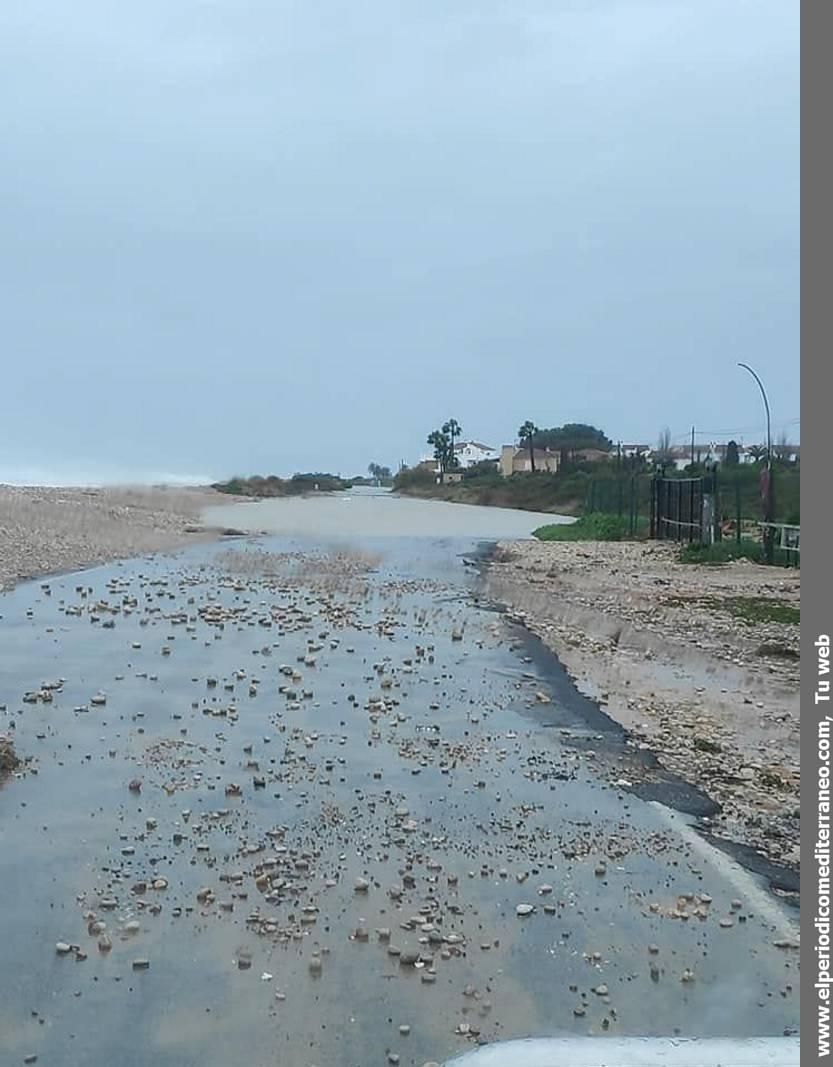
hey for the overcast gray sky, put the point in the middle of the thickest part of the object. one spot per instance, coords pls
(249, 236)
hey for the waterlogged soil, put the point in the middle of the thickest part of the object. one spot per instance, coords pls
(289, 805)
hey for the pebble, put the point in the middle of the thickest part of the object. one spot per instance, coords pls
(399, 834)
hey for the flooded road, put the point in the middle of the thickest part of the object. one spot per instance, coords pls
(311, 802)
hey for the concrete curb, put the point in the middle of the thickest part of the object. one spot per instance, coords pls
(636, 1052)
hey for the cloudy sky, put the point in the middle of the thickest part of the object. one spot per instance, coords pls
(260, 235)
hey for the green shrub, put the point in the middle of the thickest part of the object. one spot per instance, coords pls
(722, 552)
(483, 473)
(258, 486)
(414, 478)
(594, 527)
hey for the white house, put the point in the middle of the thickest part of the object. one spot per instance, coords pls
(467, 454)
(715, 452)
(629, 451)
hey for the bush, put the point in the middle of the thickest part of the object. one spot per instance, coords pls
(594, 527)
(234, 486)
(414, 478)
(483, 473)
(258, 486)
(326, 483)
(722, 552)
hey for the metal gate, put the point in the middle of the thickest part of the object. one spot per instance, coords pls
(684, 509)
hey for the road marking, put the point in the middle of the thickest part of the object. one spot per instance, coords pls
(765, 904)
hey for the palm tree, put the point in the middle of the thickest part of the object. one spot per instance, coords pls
(452, 429)
(526, 435)
(757, 452)
(440, 441)
(378, 473)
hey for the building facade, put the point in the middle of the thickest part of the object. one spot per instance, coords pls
(515, 460)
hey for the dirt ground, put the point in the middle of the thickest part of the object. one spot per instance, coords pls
(44, 530)
(699, 663)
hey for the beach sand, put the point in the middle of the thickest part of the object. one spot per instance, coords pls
(45, 530)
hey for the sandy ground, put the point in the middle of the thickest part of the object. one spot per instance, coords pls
(663, 648)
(44, 530)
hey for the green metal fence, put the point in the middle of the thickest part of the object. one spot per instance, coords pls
(628, 496)
(737, 508)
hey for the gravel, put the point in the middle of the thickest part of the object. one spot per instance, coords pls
(657, 644)
(47, 530)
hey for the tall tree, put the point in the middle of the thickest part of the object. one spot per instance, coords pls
(664, 446)
(732, 454)
(441, 443)
(782, 449)
(379, 473)
(526, 436)
(573, 437)
(452, 429)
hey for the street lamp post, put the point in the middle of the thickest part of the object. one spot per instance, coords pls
(769, 541)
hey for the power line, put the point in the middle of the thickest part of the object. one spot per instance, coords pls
(751, 429)
(684, 436)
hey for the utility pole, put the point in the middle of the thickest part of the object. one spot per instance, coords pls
(767, 488)
(692, 444)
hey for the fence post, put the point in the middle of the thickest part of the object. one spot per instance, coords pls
(738, 514)
(652, 528)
